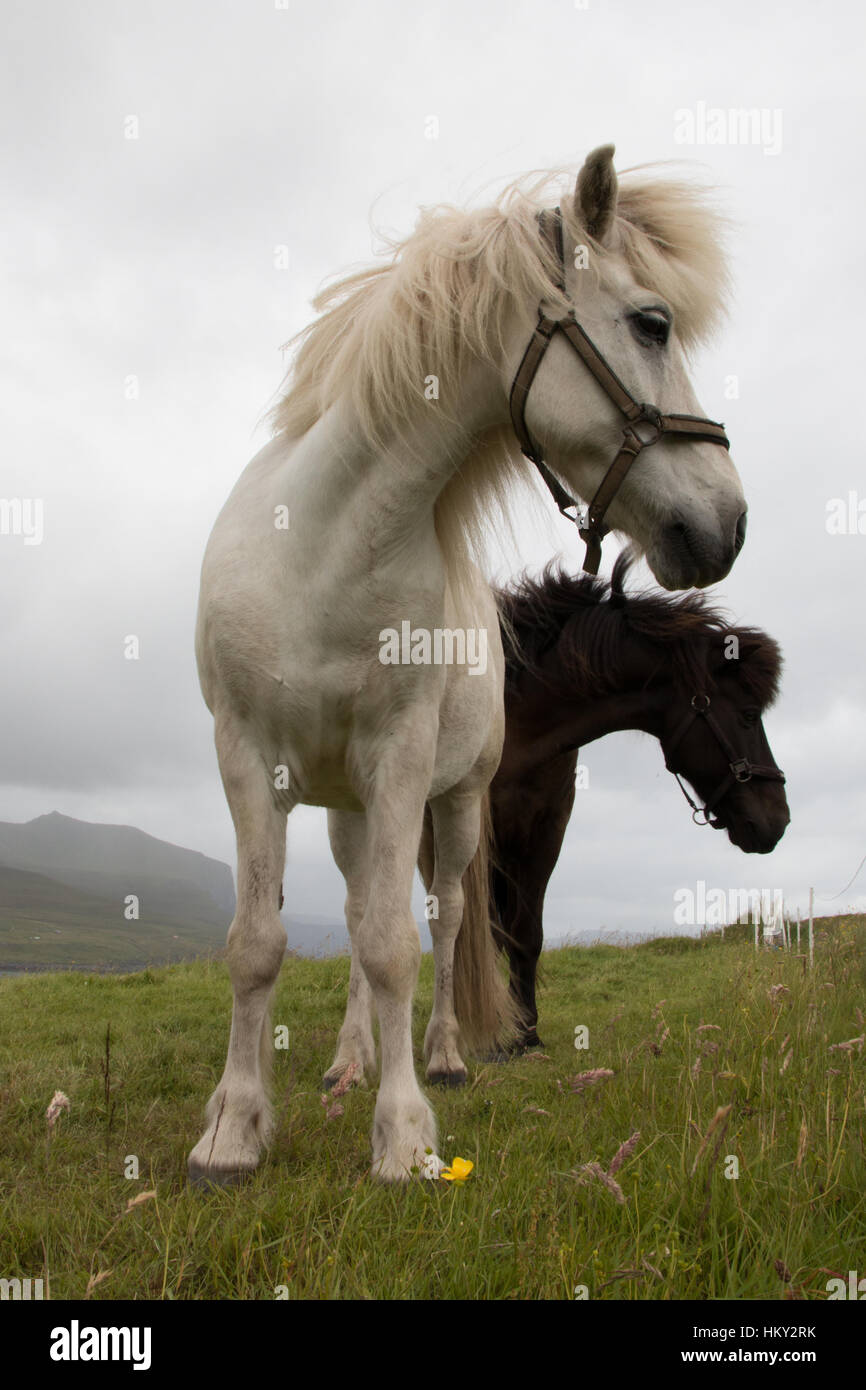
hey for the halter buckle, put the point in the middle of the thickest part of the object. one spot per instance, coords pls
(742, 770)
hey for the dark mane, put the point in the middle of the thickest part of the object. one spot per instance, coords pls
(591, 624)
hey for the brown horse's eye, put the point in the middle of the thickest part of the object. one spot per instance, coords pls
(750, 716)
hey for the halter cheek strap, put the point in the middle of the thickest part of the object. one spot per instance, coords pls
(641, 419)
(739, 768)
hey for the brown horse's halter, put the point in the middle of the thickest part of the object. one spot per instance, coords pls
(591, 527)
(739, 769)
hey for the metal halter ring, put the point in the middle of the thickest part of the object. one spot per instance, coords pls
(652, 416)
(700, 709)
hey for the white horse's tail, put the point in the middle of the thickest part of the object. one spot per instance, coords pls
(486, 1011)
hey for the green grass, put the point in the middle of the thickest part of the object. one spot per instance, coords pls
(523, 1226)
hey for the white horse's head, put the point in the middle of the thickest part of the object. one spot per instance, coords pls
(681, 502)
(456, 306)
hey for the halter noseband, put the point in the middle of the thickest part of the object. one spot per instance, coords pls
(739, 769)
(592, 529)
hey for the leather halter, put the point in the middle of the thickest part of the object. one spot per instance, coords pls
(739, 769)
(592, 529)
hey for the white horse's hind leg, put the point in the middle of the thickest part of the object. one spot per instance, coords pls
(238, 1112)
(356, 1045)
(456, 826)
(389, 948)
(348, 834)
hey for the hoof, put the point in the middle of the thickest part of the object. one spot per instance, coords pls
(452, 1079)
(428, 1169)
(204, 1178)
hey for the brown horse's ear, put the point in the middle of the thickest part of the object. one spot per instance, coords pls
(595, 193)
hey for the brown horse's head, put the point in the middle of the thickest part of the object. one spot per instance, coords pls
(584, 658)
(714, 737)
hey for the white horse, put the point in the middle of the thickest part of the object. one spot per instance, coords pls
(361, 516)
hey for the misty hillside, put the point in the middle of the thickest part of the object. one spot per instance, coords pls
(64, 885)
(48, 925)
(113, 861)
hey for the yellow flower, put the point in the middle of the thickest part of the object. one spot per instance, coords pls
(459, 1171)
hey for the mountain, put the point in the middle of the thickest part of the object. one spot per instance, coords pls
(64, 885)
(113, 861)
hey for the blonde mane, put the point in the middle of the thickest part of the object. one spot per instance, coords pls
(443, 296)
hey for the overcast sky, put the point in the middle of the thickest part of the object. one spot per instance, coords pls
(304, 125)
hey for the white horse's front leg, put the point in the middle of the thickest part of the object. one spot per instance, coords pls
(239, 1111)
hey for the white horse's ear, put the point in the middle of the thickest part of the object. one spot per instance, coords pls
(596, 192)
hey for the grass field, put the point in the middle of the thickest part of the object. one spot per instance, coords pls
(687, 1028)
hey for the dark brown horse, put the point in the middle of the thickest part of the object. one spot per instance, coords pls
(583, 659)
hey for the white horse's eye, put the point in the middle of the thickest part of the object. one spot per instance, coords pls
(651, 325)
